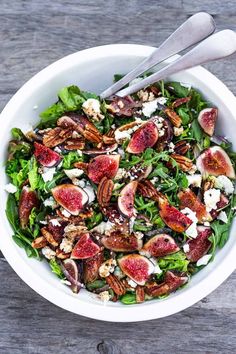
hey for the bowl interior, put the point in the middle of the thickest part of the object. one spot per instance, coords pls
(93, 70)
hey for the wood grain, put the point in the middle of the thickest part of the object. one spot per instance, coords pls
(33, 34)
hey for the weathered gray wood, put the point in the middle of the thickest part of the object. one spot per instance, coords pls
(33, 34)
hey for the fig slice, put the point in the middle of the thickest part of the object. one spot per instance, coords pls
(172, 281)
(222, 203)
(216, 162)
(28, 201)
(85, 248)
(199, 246)
(91, 267)
(173, 218)
(71, 273)
(126, 199)
(137, 267)
(161, 245)
(45, 156)
(207, 120)
(70, 197)
(103, 166)
(188, 199)
(122, 243)
(144, 137)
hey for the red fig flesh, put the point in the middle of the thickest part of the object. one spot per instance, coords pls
(91, 267)
(126, 199)
(173, 218)
(161, 245)
(85, 248)
(28, 201)
(172, 281)
(216, 162)
(137, 267)
(222, 203)
(188, 199)
(45, 156)
(199, 246)
(146, 136)
(70, 197)
(122, 243)
(103, 166)
(207, 120)
(71, 273)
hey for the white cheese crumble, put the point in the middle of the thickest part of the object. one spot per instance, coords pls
(65, 213)
(121, 173)
(74, 172)
(54, 222)
(10, 188)
(79, 152)
(192, 229)
(66, 245)
(104, 296)
(125, 134)
(48, 252)
(154, 180)
(118, 273)
(57, 149)
(81, 183)
(211, 198)
(195, 180)
(91, 107)
(186, 248)
(150, 107)
(178, 131)
(223, 182)
(107, 267)
(121, 152)
(132, 283)
(50, 202)
(223, 217)
(171, 147)
(204, 260)
(90, 192)
(104, 227)
(48, 173)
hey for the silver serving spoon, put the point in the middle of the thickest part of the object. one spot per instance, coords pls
(192, 31)
(217, 46)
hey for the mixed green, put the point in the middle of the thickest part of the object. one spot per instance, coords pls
(127, 197)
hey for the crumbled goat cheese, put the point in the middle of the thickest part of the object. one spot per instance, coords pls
(145, 96)
(43, 222)
(171, 147)
(192, 229)
(107, 267)
(79, 152)
(50, 202)
(154, 180)
(104, 227)
(65, 213)
(82, 183)
(192, 170)
(125, 134)
(48, 252)
(206, 223)
(223, 217)
(150, 107)
(186, 248)
(135, 81)
(121, 173)
(54, 222)
(178, 131)
(121, 152)
(204, 260)
(195, 180)
(138, 234)
(66, 245)
(10, 188)
(91, 107)
(104, 296)
(48, 173)
(211, 198)
(157, 269)
(132, 283)
(57, 149)
(75, 135)
(223, 182)
(131, 224)
(90, 192)
(118, 273)
(74, 172)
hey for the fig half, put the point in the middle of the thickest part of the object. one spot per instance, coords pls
(161, 245)
(188, 199)
(28, 201)
(45, 156)
(103, 166)
(172, 281)
(71, 273)
(144, 137)
(199, 246)
(122, 243)
(216, 162)
(85, 248)
(173, 218)
(91, 267)
(126, 199)
(137, 267)
(207, 120)
(70, 197)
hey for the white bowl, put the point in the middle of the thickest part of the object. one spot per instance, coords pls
(93, 70)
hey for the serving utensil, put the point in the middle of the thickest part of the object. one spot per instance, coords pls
(192, 31)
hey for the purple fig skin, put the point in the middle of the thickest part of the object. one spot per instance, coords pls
(207, 120)
(146, 136)
(161, 245)
(71, 273)
(103, 166)
(28, 201)
(137, 267)
(216, 162)
(126, 199)
(199, 246)
(121, 243)
(45, 156)
(85, 248)
(70, 197)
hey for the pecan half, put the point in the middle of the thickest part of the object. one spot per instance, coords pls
(75, 144)
(62, 255)
(184, 163)
(73, 231)
(116, 284)
(108, 140)
(39, 242)
(173, 117)
(104, 192)
(181, 147)
(147, 189)
(49, 237)
(81, 165)
(75, 219)
(180, 101)
(140, 294)
(208, 184)
(56, 136)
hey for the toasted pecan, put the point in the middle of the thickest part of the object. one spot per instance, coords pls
(173, 117)
(39, 242)
(81, 165)
(56, 136)
(62, 255)
(116, 284)
(140, 294)
(49, 237)
(147, 189)
(75, 144)
(180, 101)
(181, 147)
(104, 191)
(184, 163)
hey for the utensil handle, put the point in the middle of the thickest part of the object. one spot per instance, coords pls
(217, 46)
(196, 28)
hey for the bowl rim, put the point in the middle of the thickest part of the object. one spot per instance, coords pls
(95, 310)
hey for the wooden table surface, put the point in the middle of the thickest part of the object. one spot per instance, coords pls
(33, 34)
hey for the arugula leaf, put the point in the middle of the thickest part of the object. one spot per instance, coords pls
(117, 77)
(197, 131)
(128, 299)
(184, 114)
(94, 220)
(176, 261)
(12, 212)
(18, 134)
(33, 175)
(56, 269)
(71, 97)
(179, 90)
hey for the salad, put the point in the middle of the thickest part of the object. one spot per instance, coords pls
(128, 197)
